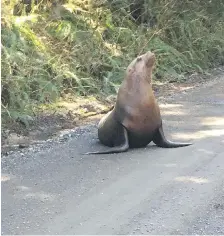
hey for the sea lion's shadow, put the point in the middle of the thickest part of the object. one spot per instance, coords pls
(149, 147)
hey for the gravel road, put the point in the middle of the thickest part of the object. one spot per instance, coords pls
(53, 189)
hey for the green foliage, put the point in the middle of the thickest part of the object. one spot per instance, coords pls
(83, 47)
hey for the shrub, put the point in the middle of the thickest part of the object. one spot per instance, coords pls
(83, 47)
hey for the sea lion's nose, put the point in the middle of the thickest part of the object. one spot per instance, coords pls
(150, 54)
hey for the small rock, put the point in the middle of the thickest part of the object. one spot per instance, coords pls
(23, 145)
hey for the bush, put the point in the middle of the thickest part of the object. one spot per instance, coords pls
(83, 47)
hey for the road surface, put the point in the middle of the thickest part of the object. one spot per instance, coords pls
(55, 190)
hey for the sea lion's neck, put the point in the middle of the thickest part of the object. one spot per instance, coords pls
(137, 81)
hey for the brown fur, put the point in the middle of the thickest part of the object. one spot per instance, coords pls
(136, 96)
(135, 120)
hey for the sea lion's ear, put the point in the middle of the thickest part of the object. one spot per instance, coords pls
(139, 58)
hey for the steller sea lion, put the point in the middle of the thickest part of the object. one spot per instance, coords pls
(135, 120)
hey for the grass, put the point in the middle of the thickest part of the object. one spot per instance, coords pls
(82, 48)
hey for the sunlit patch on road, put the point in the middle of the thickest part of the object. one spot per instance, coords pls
(5, 178)
(199, 134)
(192, 179)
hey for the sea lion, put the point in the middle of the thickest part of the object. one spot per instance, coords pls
(135, 120)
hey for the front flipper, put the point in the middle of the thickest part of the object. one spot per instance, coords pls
(160, 140)
(122, 147)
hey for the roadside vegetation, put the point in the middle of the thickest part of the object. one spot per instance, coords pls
(54, 50)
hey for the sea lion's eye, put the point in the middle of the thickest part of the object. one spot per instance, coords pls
(139, 59)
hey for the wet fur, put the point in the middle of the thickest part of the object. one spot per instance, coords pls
(135, 120)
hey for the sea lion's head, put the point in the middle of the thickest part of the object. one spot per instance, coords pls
(142, 66)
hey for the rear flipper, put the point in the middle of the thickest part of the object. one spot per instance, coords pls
(160, 140)
(121, 147)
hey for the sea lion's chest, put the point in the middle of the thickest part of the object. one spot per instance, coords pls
(140, 115)
(136, 107)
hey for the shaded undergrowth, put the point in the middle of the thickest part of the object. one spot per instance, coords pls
(80, 48)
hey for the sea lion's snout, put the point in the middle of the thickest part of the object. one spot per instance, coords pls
(150, 55)
(150, 58)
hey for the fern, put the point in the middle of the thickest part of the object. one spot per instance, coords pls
(86, 48)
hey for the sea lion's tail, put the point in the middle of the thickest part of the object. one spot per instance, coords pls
(160, 140)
